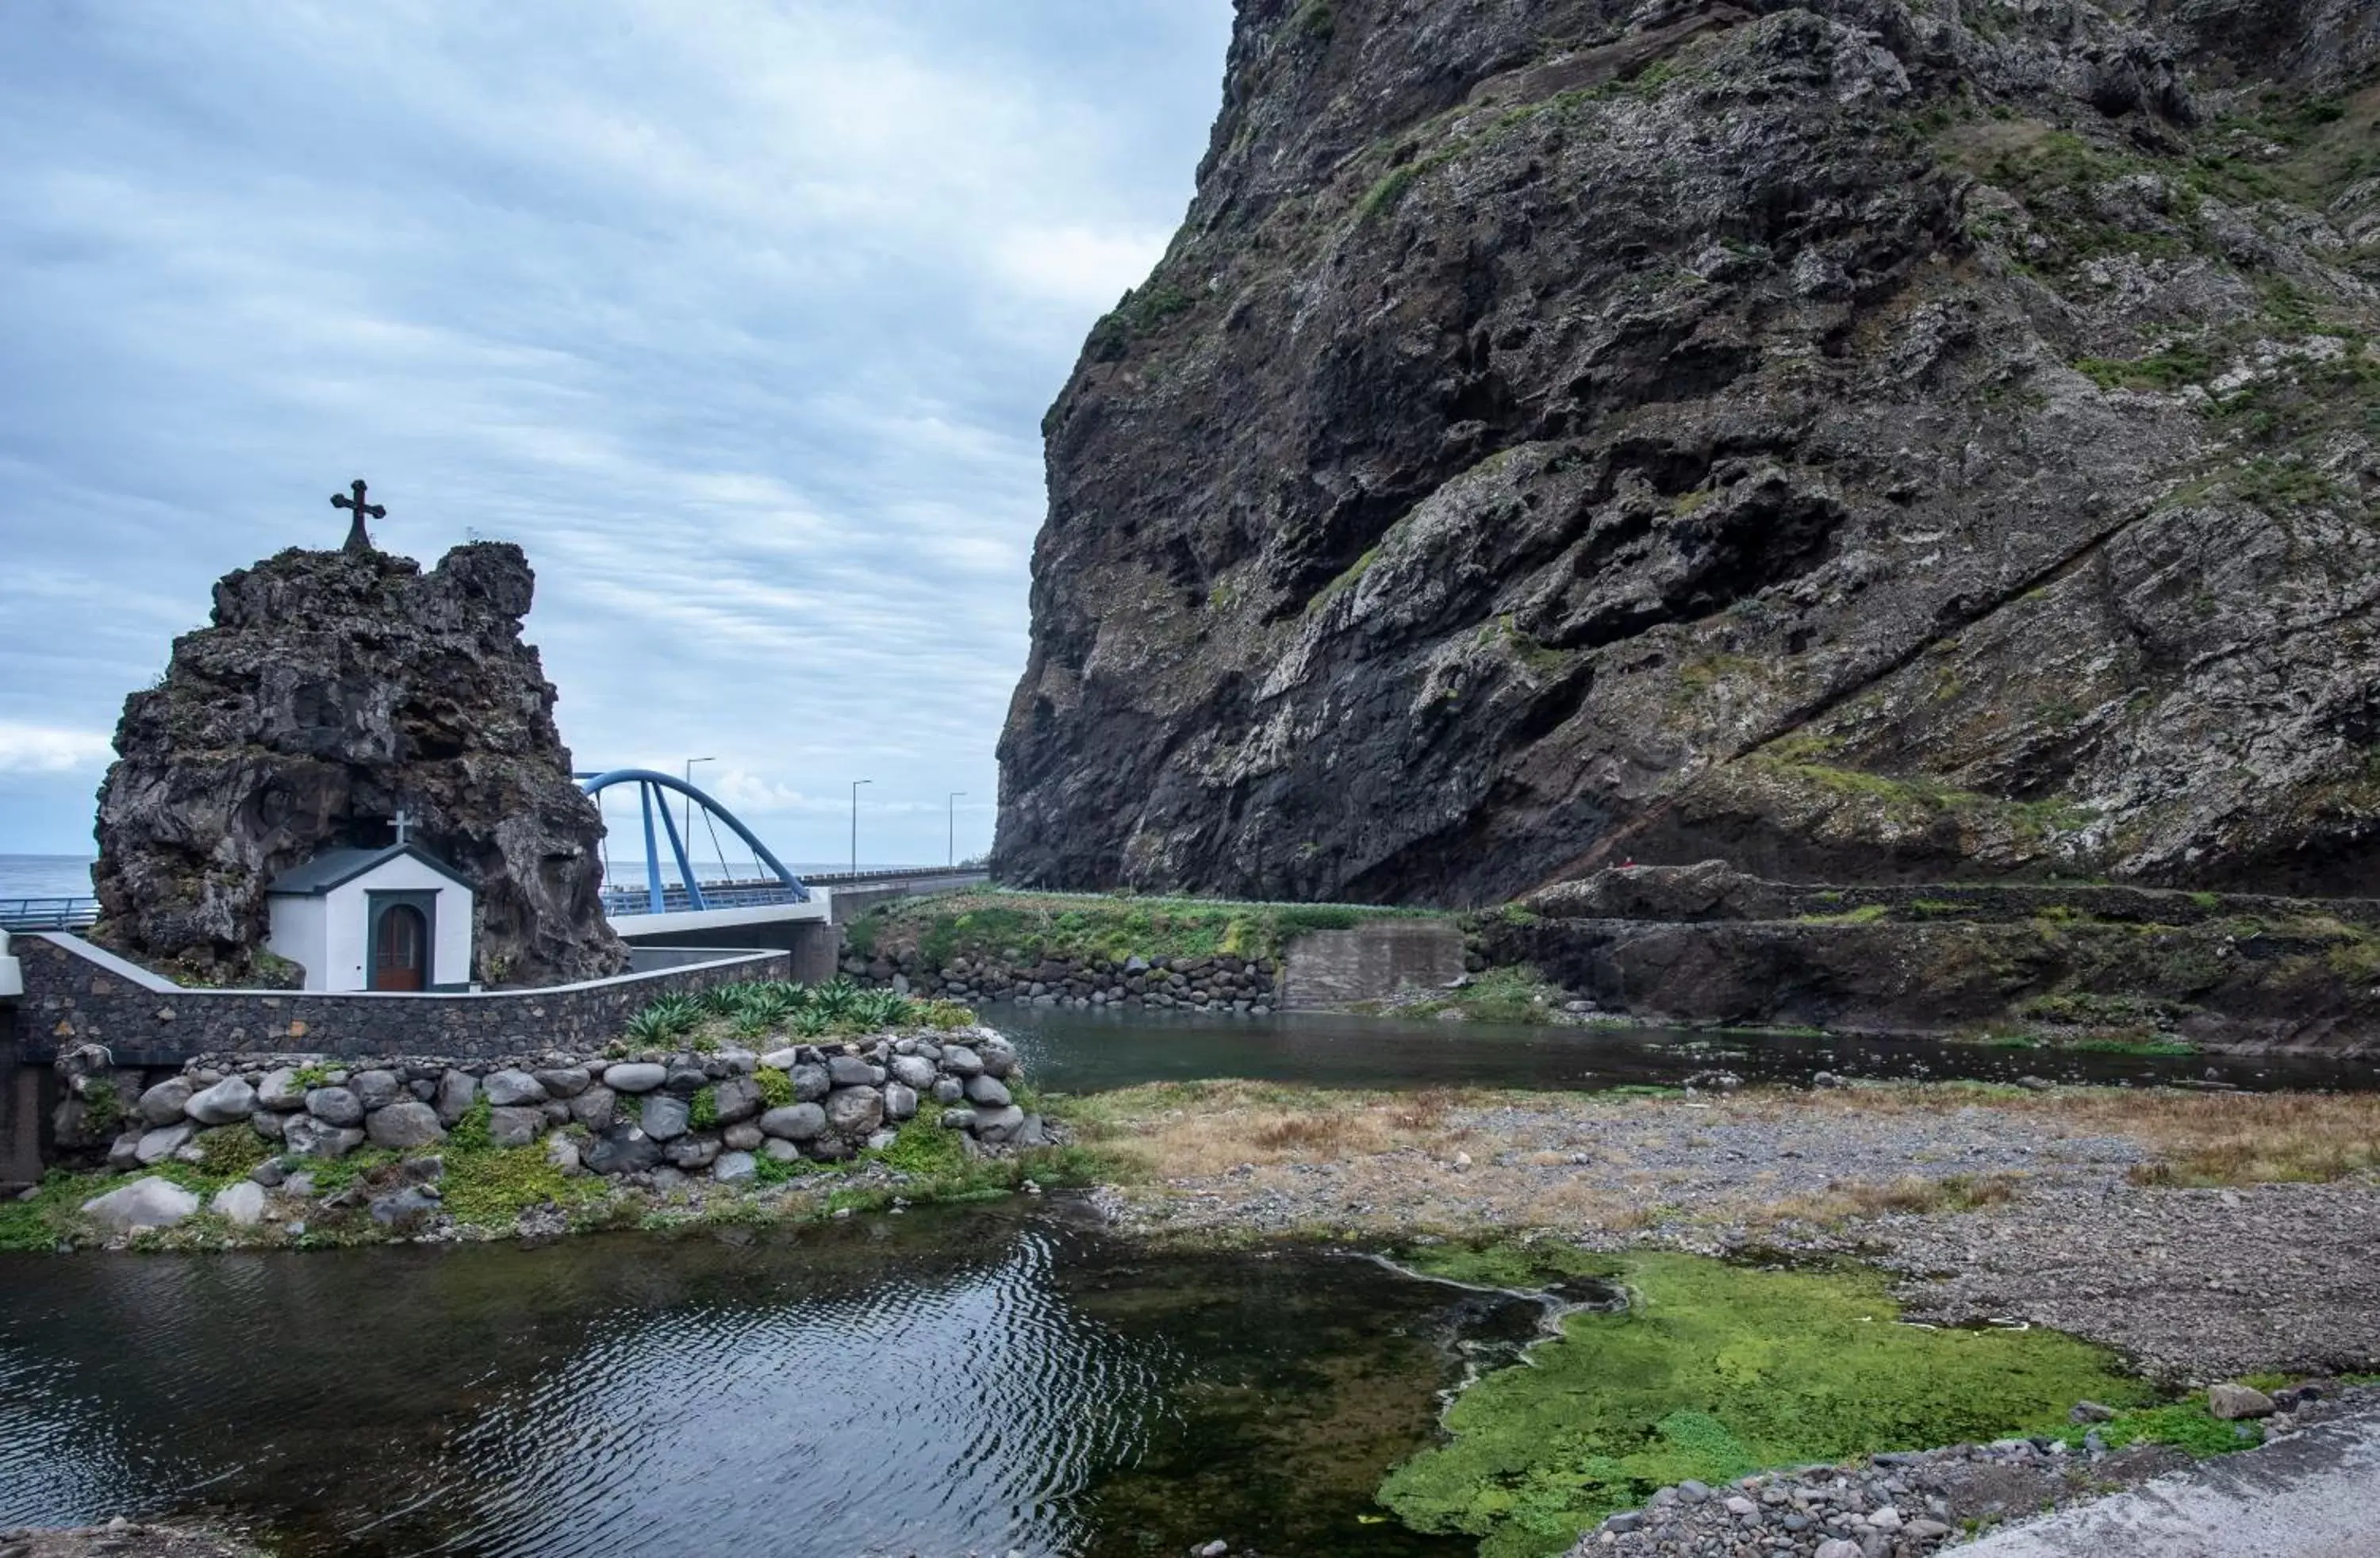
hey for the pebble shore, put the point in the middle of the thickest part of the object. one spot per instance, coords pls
(1908, 1506)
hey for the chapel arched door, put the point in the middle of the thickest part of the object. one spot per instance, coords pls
(400, 948)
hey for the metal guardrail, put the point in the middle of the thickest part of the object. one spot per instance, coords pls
(48, 914)
(620, 902)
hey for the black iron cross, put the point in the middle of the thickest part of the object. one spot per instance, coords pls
(356, 540)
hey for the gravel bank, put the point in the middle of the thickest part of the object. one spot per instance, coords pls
(1906, 1505)
(2022, 1208)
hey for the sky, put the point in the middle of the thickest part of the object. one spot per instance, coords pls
(740, 317)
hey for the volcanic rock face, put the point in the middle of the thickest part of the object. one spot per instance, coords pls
(1863, 440)
(331, 689)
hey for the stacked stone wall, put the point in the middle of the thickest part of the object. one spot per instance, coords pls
(654, 1117)
(73, 998)
(1218, 983)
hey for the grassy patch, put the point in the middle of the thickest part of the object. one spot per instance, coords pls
(1713, 1372)
(1032, 926)
(1508, 995)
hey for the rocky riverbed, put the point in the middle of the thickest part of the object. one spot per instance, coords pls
(2055, 1208)
(1904, 1505)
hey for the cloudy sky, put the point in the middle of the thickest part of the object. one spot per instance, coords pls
(740, 316)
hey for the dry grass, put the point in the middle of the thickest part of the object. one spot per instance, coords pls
(1186, 1130)
(1910, 1193)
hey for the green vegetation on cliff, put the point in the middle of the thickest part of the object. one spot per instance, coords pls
(989, 922)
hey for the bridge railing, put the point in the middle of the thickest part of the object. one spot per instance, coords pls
(48, 914)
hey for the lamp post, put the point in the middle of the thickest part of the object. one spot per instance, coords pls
(855, 822)
(690, 800)
(953, 806)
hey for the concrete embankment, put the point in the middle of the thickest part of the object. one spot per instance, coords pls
(2315, 1494)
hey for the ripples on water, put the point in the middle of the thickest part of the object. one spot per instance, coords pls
(987, 1383)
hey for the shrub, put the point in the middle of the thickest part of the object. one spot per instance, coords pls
(776, 1087)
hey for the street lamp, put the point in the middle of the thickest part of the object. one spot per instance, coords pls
(954, 826)
(689, 802)
(855, 822)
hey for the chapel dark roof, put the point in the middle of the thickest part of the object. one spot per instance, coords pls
(336, 868)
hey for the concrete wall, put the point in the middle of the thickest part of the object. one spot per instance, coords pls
(811, 943)
(1370, 962)
(77, 993)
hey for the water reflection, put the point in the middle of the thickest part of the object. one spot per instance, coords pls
(1092, 1051)
(976, 1381)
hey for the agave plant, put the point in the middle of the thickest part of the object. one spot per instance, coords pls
(651, 1027)
(678, 1013)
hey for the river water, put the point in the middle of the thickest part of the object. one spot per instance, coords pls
(1094, 1051)
(962, 1380)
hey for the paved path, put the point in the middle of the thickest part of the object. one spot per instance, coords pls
(2315, 1494)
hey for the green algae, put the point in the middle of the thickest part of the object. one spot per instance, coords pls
(1713, 1371)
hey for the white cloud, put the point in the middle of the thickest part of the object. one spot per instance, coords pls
(32, 748)
(741, 318)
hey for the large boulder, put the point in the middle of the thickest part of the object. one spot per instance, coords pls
(162, 1105)
(407, 1124)
(144, 1203)
(621, 1149)
(664, 1116)
(240, 1204)
(852, 1112)
(456, 1092)
(515, 1125)
(330, 688)
(308, 1136)
(635, 1077)
(334, 1106)
(158, 1145)
(794, 1122)
(227, 1102)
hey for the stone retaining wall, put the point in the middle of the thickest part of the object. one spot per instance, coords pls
(654, 1116)
(77, 993)
(1194, 984)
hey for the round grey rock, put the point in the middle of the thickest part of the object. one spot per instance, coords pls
(855, 1112)
(515, 1125)
(374, 1089)
(794, 1122)
(913, 1071)
(242, 1204)
(144, 1203)
(949, 1090)
(999, 1125)
(593, 1108)
(988, 1091)
(334, 1106)
(310, 1137)
(849, 1071)
(162, 1105)
(280, 1090)
(960, 1061)
(809, 1081)
(622, 1150)
(735, 1168)
(743, 1137)
(635, 1077)
(228, 1100)
(692, 1153)
(409, 1123)
(158, 1145)
(562, 1081)
(664, 1116)
(457, 1091)
(738, 1098)
(900, 1101)
(509, 1088)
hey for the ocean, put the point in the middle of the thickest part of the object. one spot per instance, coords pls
(45, 876)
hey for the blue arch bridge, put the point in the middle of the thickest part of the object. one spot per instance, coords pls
(754, 900)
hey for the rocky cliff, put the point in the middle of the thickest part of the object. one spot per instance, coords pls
(1863, 439)
(331, 689)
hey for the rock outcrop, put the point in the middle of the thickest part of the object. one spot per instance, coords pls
(331, 689)
(1866, 440)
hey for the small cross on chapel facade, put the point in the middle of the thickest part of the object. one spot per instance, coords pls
(396, 919)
